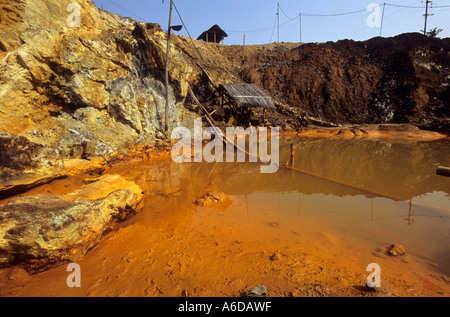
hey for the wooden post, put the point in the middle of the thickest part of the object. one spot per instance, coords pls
(382, 18)
(264, 117)
(278, 23)
(300, 18)
(166, 114)
(243, 60)
(410, 218)
(292, 160)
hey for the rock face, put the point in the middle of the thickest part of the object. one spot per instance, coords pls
(90, 90)
(25, 164)
(44, 231)
(21, 155)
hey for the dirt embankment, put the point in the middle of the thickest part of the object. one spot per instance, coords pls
(404, 79)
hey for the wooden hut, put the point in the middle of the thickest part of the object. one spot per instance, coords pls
(215, 34)
(243, 98)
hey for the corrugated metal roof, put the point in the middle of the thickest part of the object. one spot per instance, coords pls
(247, 95)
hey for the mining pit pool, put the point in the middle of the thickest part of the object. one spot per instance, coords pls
(341, 208)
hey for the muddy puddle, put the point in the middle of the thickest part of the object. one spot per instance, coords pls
(311, 231)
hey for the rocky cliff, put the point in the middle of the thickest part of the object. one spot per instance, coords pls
(89, 90)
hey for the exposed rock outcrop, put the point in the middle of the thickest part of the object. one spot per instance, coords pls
(87, 91)
(24, 164)
(44, 231)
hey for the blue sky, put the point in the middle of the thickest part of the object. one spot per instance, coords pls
(256, 18)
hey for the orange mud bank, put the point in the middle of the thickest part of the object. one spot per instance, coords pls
(180, 245)
(403, 132)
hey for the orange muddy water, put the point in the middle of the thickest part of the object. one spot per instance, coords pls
(293, 231)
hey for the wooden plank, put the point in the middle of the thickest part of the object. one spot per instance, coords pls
(261, 97)
(207, 76)
(208, 117)
(248, 94)
(210, 120)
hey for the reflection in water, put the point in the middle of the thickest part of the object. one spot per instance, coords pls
(418, 217)
(403, 170)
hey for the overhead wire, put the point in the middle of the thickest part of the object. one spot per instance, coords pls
(397, 12)
(122, 8)
(258, 30)
(384, 21)
(287, 15)
(273, 31)
(265, 29)
(334, 15)
(414, 7)
(290, 19)
(187, 31)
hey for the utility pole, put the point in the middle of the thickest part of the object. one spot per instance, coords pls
(278, 22)
(382, 18)
(166, 114)
(426, 15)
(300, 18)
(243, 60)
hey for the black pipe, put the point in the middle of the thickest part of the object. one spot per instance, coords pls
(443, 171)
